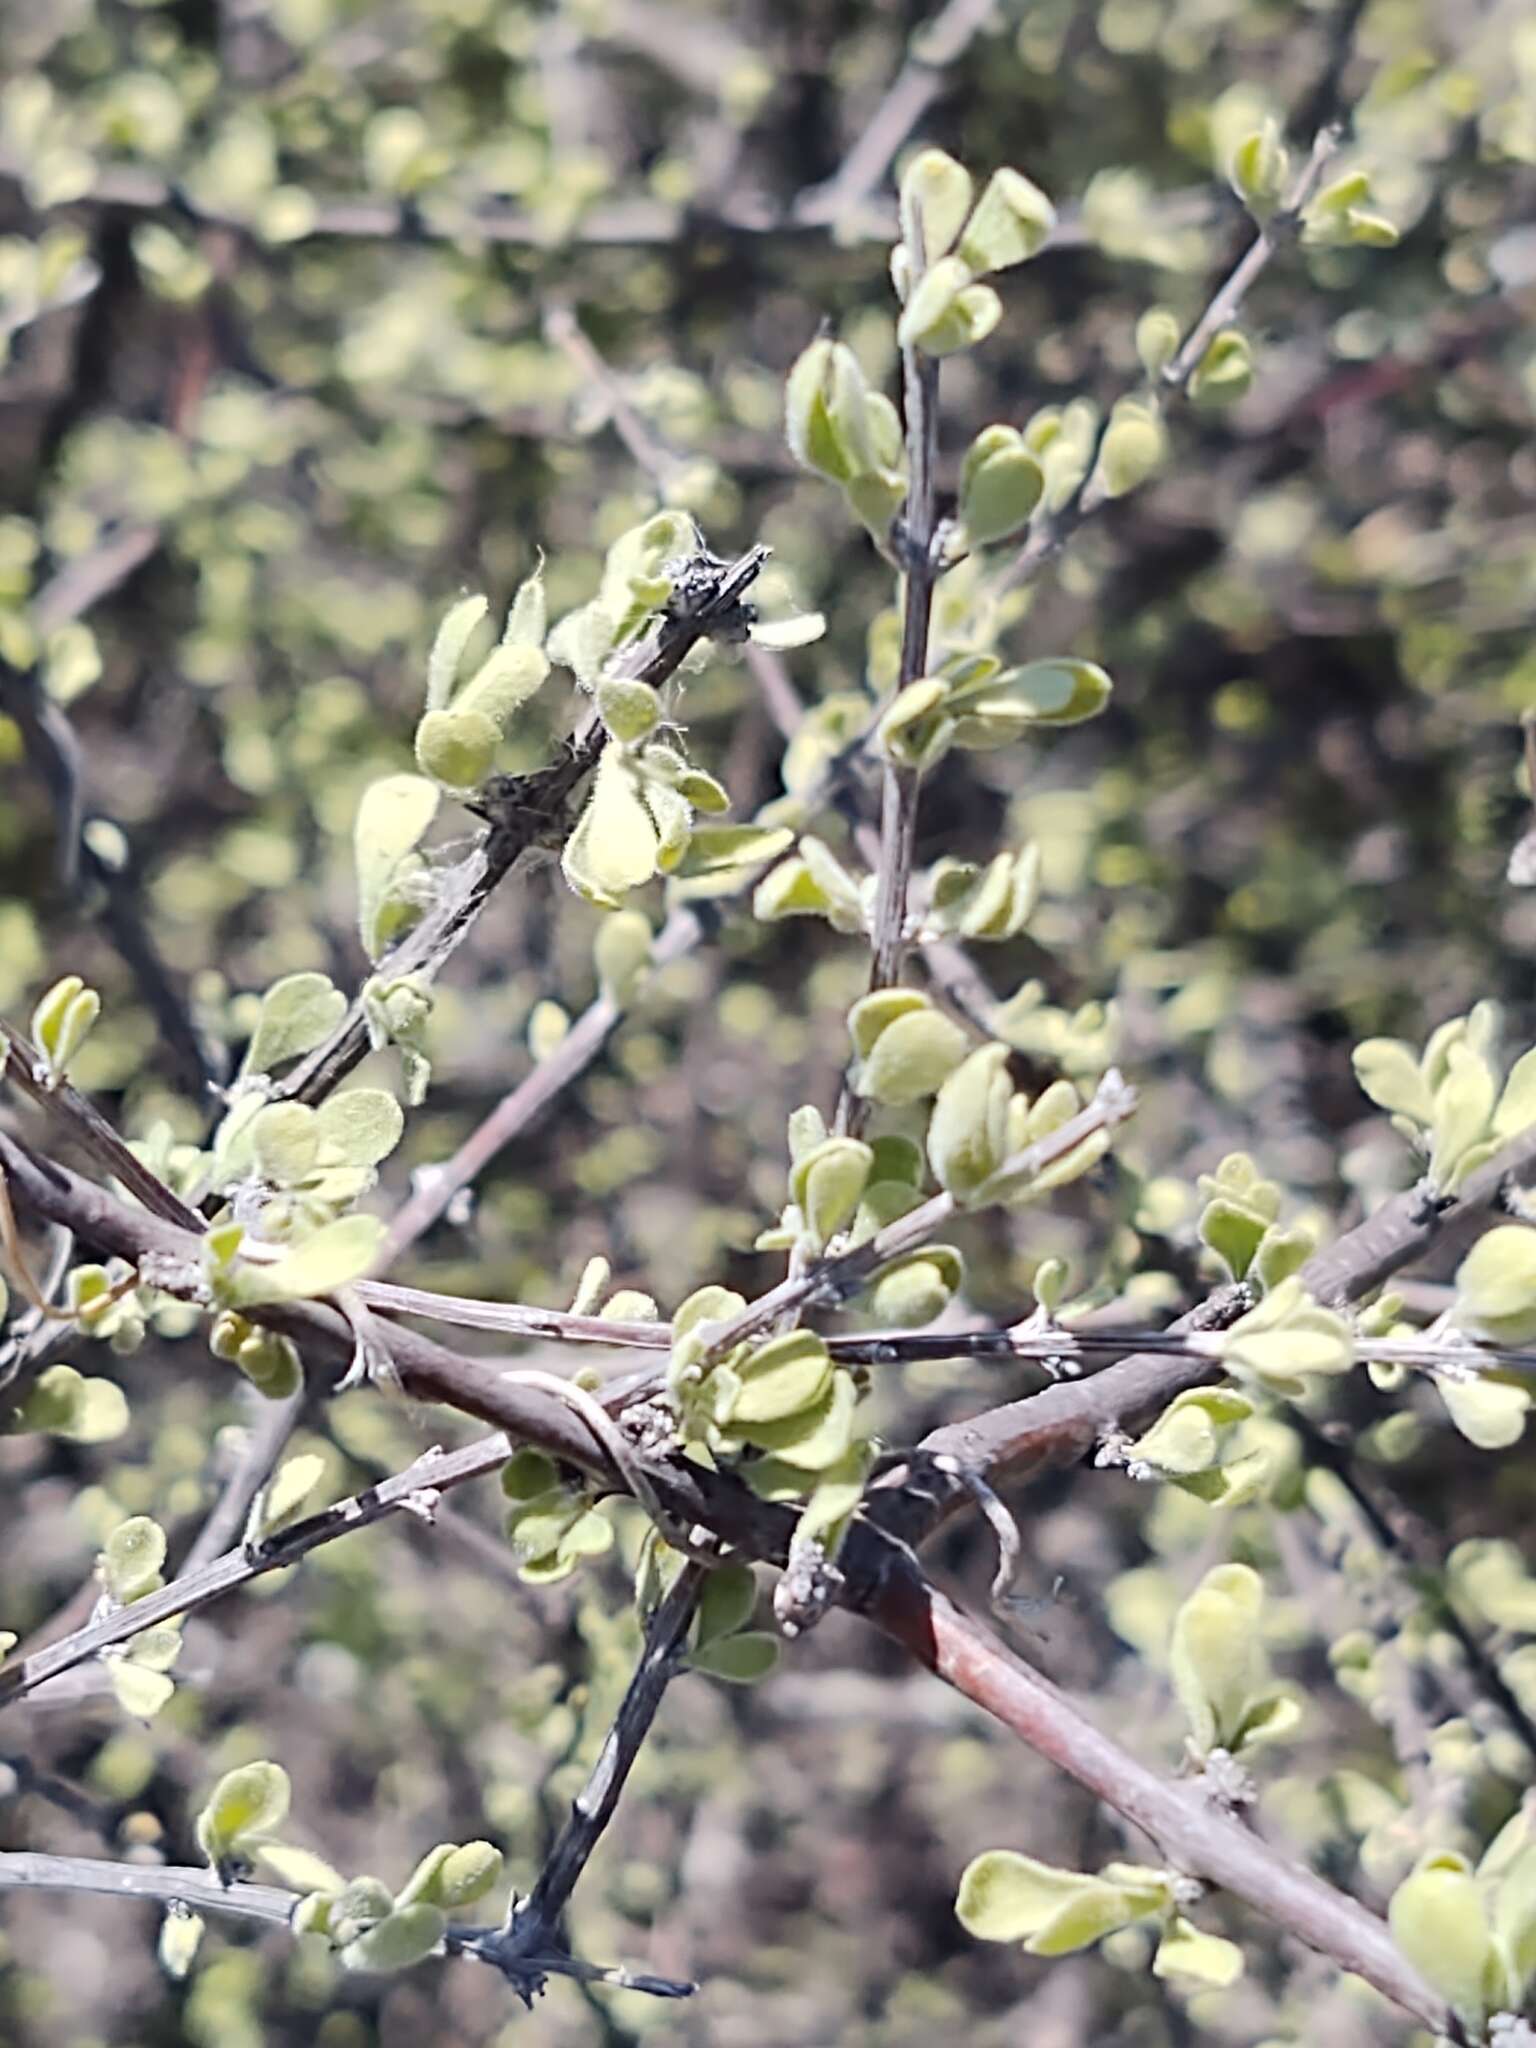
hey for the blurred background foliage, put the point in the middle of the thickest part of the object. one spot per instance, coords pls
(286, 368)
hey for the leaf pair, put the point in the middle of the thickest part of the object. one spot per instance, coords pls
(1008, 1897)
(1447, 1099)
(463, 725)
(551, 1525)
(974, 702)
(1472, 1932)
(943, 254)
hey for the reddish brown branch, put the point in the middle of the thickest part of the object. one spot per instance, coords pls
(1194, 1836)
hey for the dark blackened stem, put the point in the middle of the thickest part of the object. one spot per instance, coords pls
(533, 1924)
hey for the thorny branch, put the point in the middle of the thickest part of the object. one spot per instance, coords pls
(881, 1578)
(532, 1927)
(201, 1891)
(523, 813)
(1061, 1424)
(434, 1472)
(1192, 1834)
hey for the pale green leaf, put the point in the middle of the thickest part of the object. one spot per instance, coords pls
(334, 1256)
(1187, 1951)
(391, 819)
(297, 1013)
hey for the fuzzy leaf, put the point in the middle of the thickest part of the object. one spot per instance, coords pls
(1192, 1430)
(301, 1870)
(1259, 168)
(1233, 1232)
(1098, 1909)
(335, 1255)
(1004, 1896)
(456, 748)
(448, 645)
(1186, 1951)
(726, 1602)
(826, 414)
(398, 1941)
(784, 635)
(392, 817)
(1001, 483)
(621, 953)
(1488, 1412)
(287, 1491)
(1225, 372)
(968, 1130)
(1217, 1660)
(140, 1691)
(249, 1802)
(1496, 1286)
(1463, 1109)
(1437, 1920)
(784, 1378)
(297, 1013)
(912, 1058)
(872, 1013)
(362, 1126)
(828, 1182)
(1059, 692)
(181, 1933)
(1135, 444)
(528, 1474)
(133, 1557)
(285, 1142)
(615, 846)
(913, 1290)
(1012, 222)
(1157, 340)
(935, 198)
(62, 1402)
(1517, 1104)
(630, 709)
(813, 1438)
(62, 1022)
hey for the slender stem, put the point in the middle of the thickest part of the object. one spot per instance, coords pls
(427, 1371)
(200, 1891)
(1280, 229)
(165, 1885)
(1064, 1422)
(618, 224)
(518, 1109)
(1050, 535)
(646, 448)
(937, 45)
(23, 1066)
(1405, 1541)
(265, 1443)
